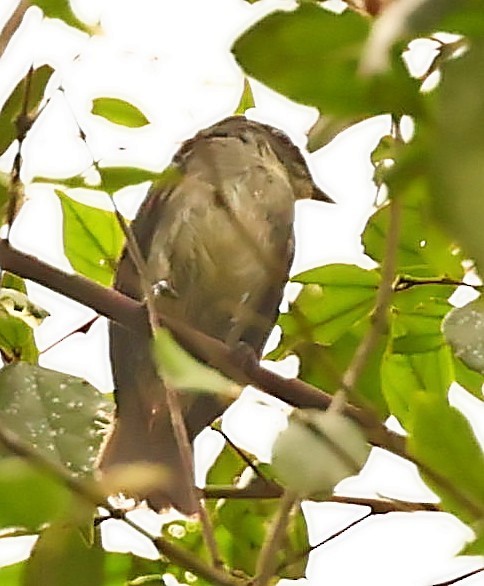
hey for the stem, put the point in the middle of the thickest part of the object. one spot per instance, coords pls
(267, 561)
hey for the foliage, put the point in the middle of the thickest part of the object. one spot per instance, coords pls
(388, 336)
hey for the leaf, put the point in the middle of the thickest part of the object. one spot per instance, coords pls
(246, 99)
(119, 112)
(423, 250)
(29, 497)
(457, 177)
(61, 557)
(442, 439)
(34, 82)
(242, 530)
(17, 340)
(112, 179)
(313, 58)
(62, 10)
(182, 372)
(227, 467)
(334, 298)
(316, 451)
(92, 239)
(62, 416)
(463, 328)
(11, 575)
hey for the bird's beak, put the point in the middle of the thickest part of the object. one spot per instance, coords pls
(319, 195)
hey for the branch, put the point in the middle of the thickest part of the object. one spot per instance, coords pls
(132, 314)
(13, 24)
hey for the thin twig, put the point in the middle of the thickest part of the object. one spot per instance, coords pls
(242, 455)
(303, 554)
(404, 282)
(460, 578)
(267, 560)
(12, 25)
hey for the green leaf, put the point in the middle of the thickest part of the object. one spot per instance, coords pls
(182, 372)
(457, 177)
(469, 379)
(29, 498)
(442, 439)
(313, 58)
(92, 239)
(12, 574)
(62, 10)
(333, 299)
(242, 530)
(246, 99)
(119, 112)
(61, 557)
(62, 416)
(227, 467)
(34, 82)
(112, 179)
(17, 340)
(423, 250)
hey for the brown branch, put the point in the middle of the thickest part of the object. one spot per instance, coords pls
(132, 314)
(13, 24)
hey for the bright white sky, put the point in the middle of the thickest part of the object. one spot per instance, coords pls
(171, 59)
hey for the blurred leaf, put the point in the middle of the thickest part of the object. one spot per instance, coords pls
(11, 575)
(246, 99)
(328, 127)
(469, 379)
(401, 21)
(406, 375)
(92, 239)
(463, 328)
(62, 10)
(60, 415)
(442, 439)
(313, 58)
(317, 450)
(457, 149)
(476, 547)
(243, 525)
(29, 498)
(34, 82)
(17, 340)
(119, 112)
(334, 298)
(112, 179)
(60, 558)
(188, 534)
(182, 372)
(11, 281)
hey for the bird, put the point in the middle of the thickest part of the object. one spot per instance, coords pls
(218, 245)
